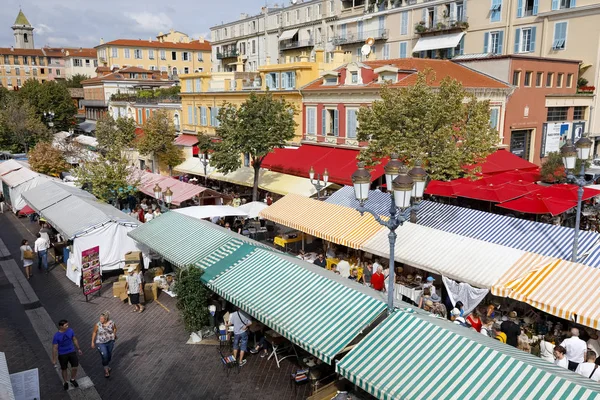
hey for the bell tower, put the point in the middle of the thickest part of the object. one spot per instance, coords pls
(23, 32)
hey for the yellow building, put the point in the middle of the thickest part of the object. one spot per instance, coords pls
(202, 94)
(174, 53)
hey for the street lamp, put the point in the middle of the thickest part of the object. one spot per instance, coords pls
(49, 115)
(204, 160)
(166, 197)
(157, 192)
(321, 182)
(570, 153)
(404, 186)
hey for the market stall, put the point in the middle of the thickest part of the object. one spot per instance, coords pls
(17, 181)
(182, 191)
(87, 223)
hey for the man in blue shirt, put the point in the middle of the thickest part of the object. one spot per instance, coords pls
(64, 344)
(241, 322)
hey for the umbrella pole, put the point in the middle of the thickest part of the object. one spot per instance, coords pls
(302, 241)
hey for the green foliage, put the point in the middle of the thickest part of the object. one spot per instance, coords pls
(446, 127)
(166, 92)
(158, 140)
(258, 126)
(46, 159)
(114, 136)
(553, 168)
(145, 94)
(107, 179)
(205, 143)
(20, 128)
(50, 96)
(75, 81)
(192, 298)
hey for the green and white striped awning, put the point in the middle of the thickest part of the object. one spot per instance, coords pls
(311, 310)
(184, 240)
(417, 356)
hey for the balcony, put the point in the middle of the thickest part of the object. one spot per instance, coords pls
(231, 53)
(444, 26)
(358, 37)
(295, 44)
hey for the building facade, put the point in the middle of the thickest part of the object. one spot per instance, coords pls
(183, 56)
(80, 61)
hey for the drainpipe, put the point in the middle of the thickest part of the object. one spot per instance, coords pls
(508, 27)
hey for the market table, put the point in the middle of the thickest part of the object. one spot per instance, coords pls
(331, 262)
(412, 293)
(283, 242)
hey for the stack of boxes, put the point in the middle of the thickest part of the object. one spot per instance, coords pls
(131, 258)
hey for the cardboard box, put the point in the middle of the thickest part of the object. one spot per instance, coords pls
(150, 292)
(133, 257)
(122, 278)
(119, 289)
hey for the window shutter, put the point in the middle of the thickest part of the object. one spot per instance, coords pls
(494, 118)
(403, 50)
(424, 17)
(324, 122)
(572, 4)
(517, 39)
(404, 24)
(217, 123)
(203, 116)
(535, 7)
(195, 116)
(533, 29)
(269, 81)
(554, 5)
(435, 13)
(336, 131)
(188, 85)
(452, 11)
(293, 80)
(500, 42)
(386, 51)
(284, 80)
(519, 8)
(486, 41)
(310, 121)
(190, 111)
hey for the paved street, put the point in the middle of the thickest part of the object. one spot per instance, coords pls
(151, 359)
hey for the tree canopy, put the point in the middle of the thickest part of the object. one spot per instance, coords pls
(46, 159)
(20, 127)
(106, 179)
(446, 127)
(158, 140)
(75, 81)
(50, 96)
(259, 125)
(114, 136)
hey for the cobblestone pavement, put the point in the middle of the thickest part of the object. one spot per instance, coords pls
(151, 359)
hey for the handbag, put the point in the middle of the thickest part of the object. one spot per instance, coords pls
(28, 255)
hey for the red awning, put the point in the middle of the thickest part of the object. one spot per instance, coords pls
(491, 192)
(537, 204)
(340, 163)
(186, 140)
(532, 175)
(502, 161)
(566, 191)
(26, 211)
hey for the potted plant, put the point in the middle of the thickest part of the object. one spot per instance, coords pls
(420, 27)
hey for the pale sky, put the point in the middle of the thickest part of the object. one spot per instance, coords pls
(81, 23)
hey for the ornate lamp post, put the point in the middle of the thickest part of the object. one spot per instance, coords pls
(403, 186)
(570, 153)
(49, 115)
(321, 182)
(166, 197)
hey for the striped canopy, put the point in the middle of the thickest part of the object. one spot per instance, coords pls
(183, 240)
(338, 224)
(558, 287)
(536, 237)
(413, 356)
(311, 310)
(378, 201)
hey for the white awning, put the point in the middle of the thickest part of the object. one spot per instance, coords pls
(449, 41)
(288, 34)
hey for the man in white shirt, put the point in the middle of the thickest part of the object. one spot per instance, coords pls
(148, 216)
(343, 268)
(41, 247)
(576, 349)
(594, 343)
(589, 369)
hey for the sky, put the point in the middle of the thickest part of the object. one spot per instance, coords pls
(81, 23)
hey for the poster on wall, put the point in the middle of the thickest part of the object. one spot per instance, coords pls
(578, 129)
(90, 270)
(554, 136)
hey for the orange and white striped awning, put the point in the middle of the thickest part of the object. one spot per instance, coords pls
(562, 288)
(331, 222)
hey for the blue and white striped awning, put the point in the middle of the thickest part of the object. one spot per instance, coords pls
(378, 201)
(313, 311)
(535, 237)
(413, 356)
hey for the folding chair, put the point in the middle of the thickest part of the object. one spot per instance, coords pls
(224, 340)
(229, 362)
(300, 377)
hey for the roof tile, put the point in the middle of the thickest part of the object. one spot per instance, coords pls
(193, 45)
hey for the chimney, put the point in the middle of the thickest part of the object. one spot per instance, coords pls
(319, 56)
(101, 40)
(338, 57)
(171, 30)
(201, 39)
(268, 61)
(303, 57)
(150, 39)
(12, 48)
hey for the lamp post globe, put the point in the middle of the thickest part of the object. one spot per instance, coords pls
(569, 155)
(584, 148)
(361, 180)
(326, 176)
(311, 174)
(157, 192)
(168, 195)
(403, 188)
(392, 170)
(419, 176)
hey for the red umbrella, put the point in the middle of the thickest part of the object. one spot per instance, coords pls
(26, 211)
(537, 204)
(516, 175)
(493, 193)
(566, 191)
(449, 188)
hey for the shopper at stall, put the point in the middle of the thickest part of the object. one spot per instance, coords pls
(498, 334)
(103, 339)
(378, 279)
(474, 320)
(320, 261)
(589, 369)
(141, 213)
(560, 358)
(425, 295)
(367, 273)
(26, 257)
(576, 349)
(330, 253)
(353, 275)
(134, 287)
(547, 348)
(241, 322)
(461, 308)
(343, 268)
(454, 314)
(429, 284)
(511, 328)
(41, 247)
(149, 215)
(64, 344)
(487, 325)
(593, 343)
(438, 307)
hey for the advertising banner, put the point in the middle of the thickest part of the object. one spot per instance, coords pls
(90, 269)
(554, 136)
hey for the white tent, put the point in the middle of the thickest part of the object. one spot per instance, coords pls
(16, 181)
(79, 217)
(253, 208)
(201, 212)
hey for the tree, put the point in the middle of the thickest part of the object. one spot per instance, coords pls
(108, 179)
(50, 96)
(258, 126)
(446, 127)
(192, 298)
(75, 81)
(114, 136)
(158, 140)
(46, 159)
(20, 128)
(553, 169)
(205, 147)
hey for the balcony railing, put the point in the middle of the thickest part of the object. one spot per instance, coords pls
(295, 44)
(357, 37)
(132, 98)
(228, 54)
(445, 25)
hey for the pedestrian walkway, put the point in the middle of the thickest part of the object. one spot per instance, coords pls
(151, 359)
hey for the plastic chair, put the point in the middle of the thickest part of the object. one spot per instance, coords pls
(229, 362)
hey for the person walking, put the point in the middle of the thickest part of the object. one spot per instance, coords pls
(241, 322)
(65, 347)
(589, 369)
(576, 349)
(41, 247)
(547, 348)
(512, 329)
(26, 257)
(378, 279)
(133, 285)
(103, 338)
(1, 203)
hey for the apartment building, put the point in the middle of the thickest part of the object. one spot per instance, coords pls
(80, 61)
(173, 53)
